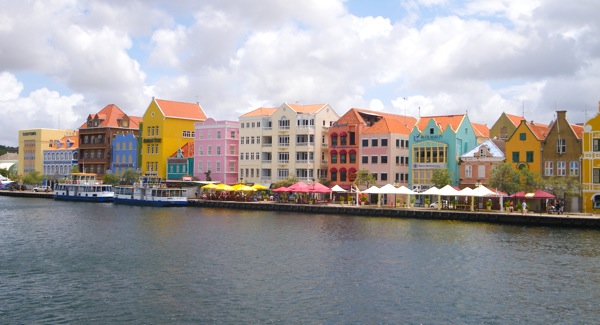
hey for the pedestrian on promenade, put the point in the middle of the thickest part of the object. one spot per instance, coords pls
(524, 207)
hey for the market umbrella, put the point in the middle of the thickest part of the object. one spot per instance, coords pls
(281, 189)
(224, 187)
(210, 186)
(260, 187)
(243, 188)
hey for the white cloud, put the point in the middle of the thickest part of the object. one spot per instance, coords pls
(231, 56)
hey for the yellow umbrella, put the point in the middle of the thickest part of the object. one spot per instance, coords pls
(259, 187)
(243, 188)
(210, 186)
(224, 187)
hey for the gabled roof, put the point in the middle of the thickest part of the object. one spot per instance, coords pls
(481, 130)
(540, 131)
(364, 116)
(187, 150)
(388, 125)
(181, 110)
(491, 147)
(442, 121)
(261, 111)
(73, 139)
(306, 109)
(514, 119)
(110, 116)
(578, 130)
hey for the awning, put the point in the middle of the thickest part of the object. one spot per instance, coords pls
(343, 134)
(333, 134)
(333, 170)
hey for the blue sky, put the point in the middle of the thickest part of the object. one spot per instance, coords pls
(445, 57)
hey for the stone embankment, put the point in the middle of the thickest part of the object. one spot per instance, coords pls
(498, 217)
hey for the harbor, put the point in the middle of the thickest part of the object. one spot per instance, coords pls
(576, 220)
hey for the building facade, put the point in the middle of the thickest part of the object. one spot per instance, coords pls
(217, 146)
(590, 165)
(166, 127)
(505, 126)
(61, 157)
(283, 142)
(96, 136)
(180, 165)
(476, 164)
(524, 146)
(437, 142)
(32, 143)
(125, 153)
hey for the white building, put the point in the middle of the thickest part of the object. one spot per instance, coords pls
(276, 143)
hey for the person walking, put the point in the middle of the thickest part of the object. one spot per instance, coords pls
(524, 207)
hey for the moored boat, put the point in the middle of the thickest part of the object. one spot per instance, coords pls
(84, 187)
(149, 191)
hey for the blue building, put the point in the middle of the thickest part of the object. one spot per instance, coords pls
(124, 149)
(437, 142)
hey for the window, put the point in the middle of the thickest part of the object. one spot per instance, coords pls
(503, 131)
(365, 142)
(482, 152)
(374, 159)
(596, 176)
(334, 140)
(596, 144)
(284, 157)
(342, 175)
(232, 150)
(218, 150)
(218, 134)
(522, 136)
(561, 168)
(468, 171)
(561, 145)
(481, 171)
(549, 168)
(209, 150)
(384, 176)
(232, 135)
(334, 176)
(374, 142)
(343, 140)
(334, 158)
(529, 156)
(365, 159)
(384, 142)
(352, 138)
(352, 157)
(430, 153)
(384, 159)
(515, 157)
(342, 158)
(574, 168)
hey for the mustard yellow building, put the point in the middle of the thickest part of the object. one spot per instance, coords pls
(590, 165)
(523, 147)
(32, 143)
(166, 126)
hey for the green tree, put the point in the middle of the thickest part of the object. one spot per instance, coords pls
(505, 178)
(530, 181)
(74, 169)
(111, 179)
(286, 182)
(4, 172)
(441, 177)
(33, 178)
(561, 186)
(364, 177)
(129, 176)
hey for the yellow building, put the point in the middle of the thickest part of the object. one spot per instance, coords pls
(166, 126)
(523, 147)
(590, 165)
(32, 143)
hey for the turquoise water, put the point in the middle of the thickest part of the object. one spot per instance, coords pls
(99, 263)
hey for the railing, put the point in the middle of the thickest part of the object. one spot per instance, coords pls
(283, 144)
(268, 145)
(264, 161)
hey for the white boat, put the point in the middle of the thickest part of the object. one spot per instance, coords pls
(149, 191)
(84, 187)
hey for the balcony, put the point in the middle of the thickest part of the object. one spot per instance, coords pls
(267, 145)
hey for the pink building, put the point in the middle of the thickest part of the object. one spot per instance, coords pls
(216, 150)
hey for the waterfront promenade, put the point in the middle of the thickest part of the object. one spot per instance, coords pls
(494, 216)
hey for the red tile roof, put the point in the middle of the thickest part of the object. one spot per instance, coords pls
(388, 125)
(110, 116)
(442, 121)
(514, 119)
(481, 130)
(307, 109)
(578, 130)
(181, 110)
(261, 111)
(540, 131)
(187, 150)
(355, 115)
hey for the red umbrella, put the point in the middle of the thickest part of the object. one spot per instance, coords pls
(281, 189)
(299, 187)
(538, 194)
(318, 188)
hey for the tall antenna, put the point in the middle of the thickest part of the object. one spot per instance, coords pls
(523, 108)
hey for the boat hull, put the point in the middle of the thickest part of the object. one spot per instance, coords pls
(152, 203)
(100, 199)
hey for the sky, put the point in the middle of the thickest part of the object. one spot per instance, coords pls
(61, 60)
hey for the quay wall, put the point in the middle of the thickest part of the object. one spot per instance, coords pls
(515, 218)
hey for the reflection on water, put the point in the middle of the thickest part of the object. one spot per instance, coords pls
(65, 262)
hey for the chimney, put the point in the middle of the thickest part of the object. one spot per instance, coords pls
(561, 115)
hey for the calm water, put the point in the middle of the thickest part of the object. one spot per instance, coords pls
(84, 263)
